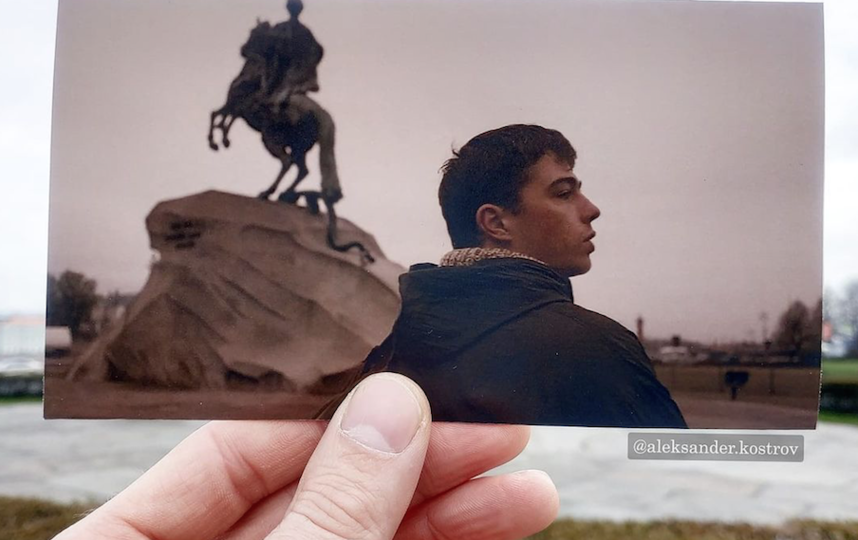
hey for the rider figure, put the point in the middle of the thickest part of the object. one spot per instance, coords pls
(293, 73)
(296, 57)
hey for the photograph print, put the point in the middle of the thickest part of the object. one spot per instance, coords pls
(581, 213)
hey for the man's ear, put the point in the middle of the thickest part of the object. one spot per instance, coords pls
(491, 220)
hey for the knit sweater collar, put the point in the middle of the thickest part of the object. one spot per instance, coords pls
(469, 256)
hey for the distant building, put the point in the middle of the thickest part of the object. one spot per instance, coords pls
(671, 354)
(835, 347)
(22, 335)
(677, 352)
(835, 341)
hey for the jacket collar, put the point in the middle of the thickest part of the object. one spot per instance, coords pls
(444, 309)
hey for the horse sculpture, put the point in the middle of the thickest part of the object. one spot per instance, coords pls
(287, 134)
(289, 129)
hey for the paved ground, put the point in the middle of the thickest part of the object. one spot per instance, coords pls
(69, 460)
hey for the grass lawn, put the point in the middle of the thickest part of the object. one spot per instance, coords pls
(840, 371)
(12, 400)
(688, 530)
(29, 519)
(838, 417)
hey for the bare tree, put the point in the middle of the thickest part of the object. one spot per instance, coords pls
(830, 304)
(799, 330)
(814, 330)
(70, 301)
(848, 314)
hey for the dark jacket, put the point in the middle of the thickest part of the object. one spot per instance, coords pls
(503, 341)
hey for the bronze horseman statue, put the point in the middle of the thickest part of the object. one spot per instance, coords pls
(270, 94)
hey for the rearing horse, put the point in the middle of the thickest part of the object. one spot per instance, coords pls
(288, 133)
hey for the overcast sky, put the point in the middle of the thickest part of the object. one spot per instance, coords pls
(697, 125)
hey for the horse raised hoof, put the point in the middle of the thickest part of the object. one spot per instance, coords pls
(225, 142)
(213, 146)
(288, 197)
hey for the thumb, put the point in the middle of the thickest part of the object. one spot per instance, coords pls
(361, 478)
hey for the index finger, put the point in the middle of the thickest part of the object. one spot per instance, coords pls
(204, 486)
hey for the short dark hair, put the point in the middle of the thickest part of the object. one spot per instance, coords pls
(491, 169)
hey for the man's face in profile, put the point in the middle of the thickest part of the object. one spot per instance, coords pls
(554, 222)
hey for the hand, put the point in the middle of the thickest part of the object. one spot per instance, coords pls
(375, 474)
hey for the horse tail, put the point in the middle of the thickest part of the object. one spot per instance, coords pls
(365, 255)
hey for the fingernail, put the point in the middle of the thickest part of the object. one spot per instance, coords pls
(536, 474)
(383, 414)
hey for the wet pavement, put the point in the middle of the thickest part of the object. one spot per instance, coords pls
(91, 460)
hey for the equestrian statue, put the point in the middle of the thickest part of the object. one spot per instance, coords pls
(270, 94)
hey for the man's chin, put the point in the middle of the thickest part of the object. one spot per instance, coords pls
(576, 270)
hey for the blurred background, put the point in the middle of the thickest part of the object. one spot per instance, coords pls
(85, 462)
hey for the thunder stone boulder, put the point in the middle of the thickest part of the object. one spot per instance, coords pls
(248, 290)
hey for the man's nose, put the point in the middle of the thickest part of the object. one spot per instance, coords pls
(591, 211)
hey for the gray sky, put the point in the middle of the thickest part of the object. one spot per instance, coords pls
(697, 127)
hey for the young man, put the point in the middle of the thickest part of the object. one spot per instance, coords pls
(492, 334)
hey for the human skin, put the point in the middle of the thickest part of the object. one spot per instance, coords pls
(553, 222)
(379, 470)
